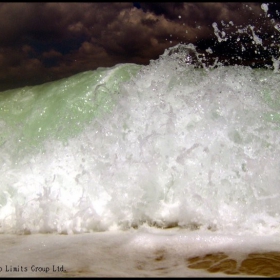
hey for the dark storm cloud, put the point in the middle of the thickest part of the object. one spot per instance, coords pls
(169, 10)
(41, 42)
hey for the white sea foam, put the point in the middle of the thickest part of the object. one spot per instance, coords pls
(180, 146)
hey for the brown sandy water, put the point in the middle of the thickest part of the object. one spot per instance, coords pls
(257, 264)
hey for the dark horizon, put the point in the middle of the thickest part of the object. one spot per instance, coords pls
(44, 42)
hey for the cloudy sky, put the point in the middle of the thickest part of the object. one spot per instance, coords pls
(41, 42)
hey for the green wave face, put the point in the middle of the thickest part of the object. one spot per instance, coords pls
(60, 109)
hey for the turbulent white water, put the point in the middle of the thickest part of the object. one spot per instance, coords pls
(181, 142)
(174, 145)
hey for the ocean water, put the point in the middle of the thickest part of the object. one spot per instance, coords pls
(132, 164)
(164, 145)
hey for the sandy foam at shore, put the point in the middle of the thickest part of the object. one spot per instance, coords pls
(139, 253)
